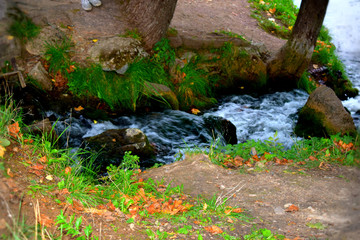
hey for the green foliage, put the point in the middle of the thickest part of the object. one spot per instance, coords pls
(306, 83)
(231, 34)
(134, 33)
(284, 13)
(72, 227)
(22, 26)
(171, 32)
(8, 113)
(163, 53)
(263, 234)
(58, 55)
(193, 84)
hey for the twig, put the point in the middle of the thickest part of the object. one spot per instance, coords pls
(223, 198)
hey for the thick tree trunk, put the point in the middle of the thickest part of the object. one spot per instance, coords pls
(151, 18)
(294, 57)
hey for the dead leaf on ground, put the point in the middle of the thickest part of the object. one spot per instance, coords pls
(46, 221)
(8, 171)
(292, 208)
(213, 229)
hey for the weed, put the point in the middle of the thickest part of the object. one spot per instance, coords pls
(22, 26)
(171, 32)
(306, 83)
(73, 227)
(58, 55)
(163, 53)
(8, 113)
(230, 34)
(263, 234)
(134, 33)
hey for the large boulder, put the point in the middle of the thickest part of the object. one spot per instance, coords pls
(324, 115)
(116, 52)
(114, 143)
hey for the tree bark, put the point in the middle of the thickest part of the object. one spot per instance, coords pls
(151, 18)
(287, 66)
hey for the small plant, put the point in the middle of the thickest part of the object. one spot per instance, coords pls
(58, 56)
(163, 53)
(263, 234)
(73, 227)
(231, 34)
(22, 26)
(134, 33)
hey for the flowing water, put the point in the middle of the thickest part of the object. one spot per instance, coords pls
(254, 118)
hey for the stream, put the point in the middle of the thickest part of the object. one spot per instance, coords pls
(255, 118)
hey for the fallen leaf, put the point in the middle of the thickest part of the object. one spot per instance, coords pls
(2, 151)
(79, 108)
(8, 171)
(272, 10)
(36, 172)
(38, 167)
(49, 177)
(195, 111)
(46, 221)
(213, 229)
(43, 159)
(67, 170)
(64, 191)
(94, 40)
(292, 208)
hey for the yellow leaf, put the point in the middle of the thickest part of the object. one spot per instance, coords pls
(94, 40)
(95, 121)
(195, 111)
(79, 108)
(2, 151)
(9, 37)
(205, 206)
(290, 28)
(49, 177)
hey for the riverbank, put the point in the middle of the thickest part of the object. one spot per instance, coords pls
(242, 191)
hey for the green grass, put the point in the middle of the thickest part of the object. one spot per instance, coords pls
(22, 26)
(308, 152)
(231, 34)
(58, 55)
(134, 33)
(8, 114)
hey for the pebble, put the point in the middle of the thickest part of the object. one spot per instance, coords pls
(279, 210)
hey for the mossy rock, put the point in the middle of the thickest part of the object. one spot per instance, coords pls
(324, 115)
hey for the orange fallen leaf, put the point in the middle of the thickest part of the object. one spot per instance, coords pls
(237, 210)
(28, 141)
(110, 206)
(213, 229)
(14, 130)
(195, 111)
(67, 170)
(197, 222)
(36, 172)
(38, 167)
(292, 208)
(79, 108)
(46, 221)
(43, 159)
(8, 171)
(64, 191)
(272, 10)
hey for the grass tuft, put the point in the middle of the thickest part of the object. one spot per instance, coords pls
(22, 26)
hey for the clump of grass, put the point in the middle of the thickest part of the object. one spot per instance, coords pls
(308, 152)
(58, 55)
(8, 114)
(306, 83)
(163, 53)
(193, 84)
(231, 34)
(133, 33)
(22, 26)
(283, 15)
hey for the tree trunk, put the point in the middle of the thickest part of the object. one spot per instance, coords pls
(151, 18)
(285, 69)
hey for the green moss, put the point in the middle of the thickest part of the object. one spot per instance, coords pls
(310, 123)
(22, 26)
(172, 32)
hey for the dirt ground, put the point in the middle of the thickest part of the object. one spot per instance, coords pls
(328, 196)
